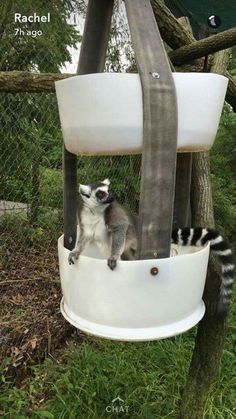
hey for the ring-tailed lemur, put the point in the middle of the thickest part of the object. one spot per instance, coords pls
(103, 221)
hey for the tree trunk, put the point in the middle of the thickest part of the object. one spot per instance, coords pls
(207, 355)
(220, 62)
(231, 91)
(201, 192)
(182, 211)
(211, 332)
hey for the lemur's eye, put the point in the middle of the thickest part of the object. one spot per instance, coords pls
(84, 194)
(100, 194)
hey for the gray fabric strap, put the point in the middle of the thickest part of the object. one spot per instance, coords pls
(160, 132)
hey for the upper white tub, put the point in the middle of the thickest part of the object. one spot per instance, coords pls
(103, 113)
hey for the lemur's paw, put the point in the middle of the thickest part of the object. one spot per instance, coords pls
(74, 255)
(112, 262)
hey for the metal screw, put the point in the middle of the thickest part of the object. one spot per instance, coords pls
(155, 75)
(70, 239)
(154, 270)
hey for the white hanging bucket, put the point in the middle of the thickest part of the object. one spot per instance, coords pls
(103, 113)
(130, 303)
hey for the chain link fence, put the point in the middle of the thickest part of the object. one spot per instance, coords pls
(31, 195)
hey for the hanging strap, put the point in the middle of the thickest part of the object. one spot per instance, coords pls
(159, 132)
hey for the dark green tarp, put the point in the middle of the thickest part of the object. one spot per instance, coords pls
(202, 9)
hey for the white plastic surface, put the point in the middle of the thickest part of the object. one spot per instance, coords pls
(103, 113)
(129, 303)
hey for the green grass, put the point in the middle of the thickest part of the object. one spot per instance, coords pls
(17, 229)
(149, 377)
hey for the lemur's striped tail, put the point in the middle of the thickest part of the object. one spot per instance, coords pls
(198, 237)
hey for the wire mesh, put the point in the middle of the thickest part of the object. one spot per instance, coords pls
(31, 195)
(31, 139)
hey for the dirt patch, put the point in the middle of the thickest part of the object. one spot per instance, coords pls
(31, 324)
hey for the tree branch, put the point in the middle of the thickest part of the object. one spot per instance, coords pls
(24, 81)
(172, 32)
(176, 35)
(205, 46)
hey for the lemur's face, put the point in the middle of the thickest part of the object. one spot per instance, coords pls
(96, 194)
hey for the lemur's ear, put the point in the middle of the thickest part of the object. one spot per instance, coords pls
(106, 181)
(84, 189)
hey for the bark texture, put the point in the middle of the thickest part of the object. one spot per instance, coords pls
(182, 212)
(231, 91)
(201, 191)
(24, 81)
(197, 49)
(172, 32)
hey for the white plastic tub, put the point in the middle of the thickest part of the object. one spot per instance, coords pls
(103, 113)
(129, 303)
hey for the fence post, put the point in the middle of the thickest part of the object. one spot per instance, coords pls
(91, 60)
